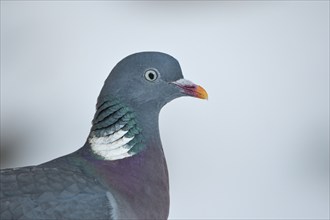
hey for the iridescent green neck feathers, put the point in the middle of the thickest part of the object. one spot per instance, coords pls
(115, 133)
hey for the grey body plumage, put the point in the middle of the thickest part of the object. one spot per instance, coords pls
(120, 172)
(52, 193)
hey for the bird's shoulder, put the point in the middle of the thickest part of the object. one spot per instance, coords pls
(43, 192)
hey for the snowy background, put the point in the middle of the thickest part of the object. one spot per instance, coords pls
(259, 148)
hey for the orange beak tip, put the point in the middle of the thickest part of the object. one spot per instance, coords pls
(201, 93)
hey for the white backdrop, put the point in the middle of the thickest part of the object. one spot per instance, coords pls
(259, 148)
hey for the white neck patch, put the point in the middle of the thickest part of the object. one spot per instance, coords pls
(112, 147)
(115, 134)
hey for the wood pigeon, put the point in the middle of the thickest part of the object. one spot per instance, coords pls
(120, 172)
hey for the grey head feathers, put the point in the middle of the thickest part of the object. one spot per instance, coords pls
(128, 80)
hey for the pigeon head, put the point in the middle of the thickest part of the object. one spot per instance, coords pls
(126, 118)
(149, 79)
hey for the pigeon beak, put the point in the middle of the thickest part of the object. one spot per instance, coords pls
(191, 89)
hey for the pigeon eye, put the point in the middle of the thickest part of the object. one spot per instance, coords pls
(151, 75)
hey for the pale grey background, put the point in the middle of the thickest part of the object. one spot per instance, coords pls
(259, 148)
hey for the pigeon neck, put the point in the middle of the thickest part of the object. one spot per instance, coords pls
(118, 131)
(148, 120)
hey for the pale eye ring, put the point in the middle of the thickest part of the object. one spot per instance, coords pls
(151, 75)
